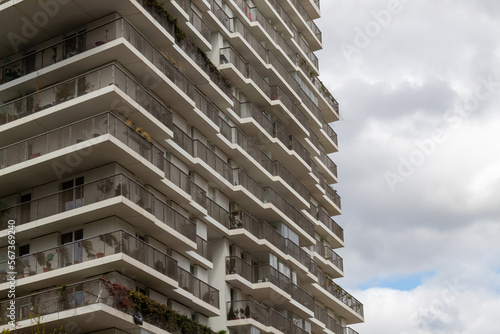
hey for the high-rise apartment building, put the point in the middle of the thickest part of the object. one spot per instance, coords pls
(168, 155)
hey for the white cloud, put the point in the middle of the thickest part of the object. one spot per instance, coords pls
(430, 61)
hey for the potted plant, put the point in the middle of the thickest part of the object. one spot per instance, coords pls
(109, 239)
(40, 259)
(48, 265)
(89, 248)
(159, 266)
(64, 254)
(121, 190)
(230, 314)
(63, 297)
(171, 268)
(65, 91)
(247, 312)
(105, 185)
(231, 265)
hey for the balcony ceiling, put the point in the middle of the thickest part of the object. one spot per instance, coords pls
(19, 18)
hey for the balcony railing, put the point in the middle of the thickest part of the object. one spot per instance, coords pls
(300, 149)
(79, 133)
(89, 249)
(204, 248)
(327, 221)
(330, 192)
(328, 254)
(198, 288)
(217, 212)
(215, 162)
(82, 85)
(97, 191)
(335, 290)
(266, 273)
(77, 295)
(262, 230)
(271, 196)
(249, 309)
(118, 28)
(191, 49)
(330, 133)
(328, 162)
(281, 171)
(220, 14)
(331, 323)
(109, 244)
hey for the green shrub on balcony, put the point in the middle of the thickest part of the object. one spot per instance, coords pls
(154, 312)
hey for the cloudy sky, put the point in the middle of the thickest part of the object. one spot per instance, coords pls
(419, 163)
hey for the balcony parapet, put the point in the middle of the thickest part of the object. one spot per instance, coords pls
(266, 273)
(262, 230)
(329, 254)
(97, 191)
(250, 309)
(81, 133)
(330, 322)
(98, 292)
(89, 82)
(336, 290)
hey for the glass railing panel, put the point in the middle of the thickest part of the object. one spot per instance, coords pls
(218, 213)
(79, 86)
(300, 149)
(281, 171)
(342, 295)
(220, 14)
(326, 220)
(183, 140)
(204, 248)
(97, 191)
(253, 150)
(328, 162)
(94, 248)
(79, 43)
(235, 265)
(198, 194)
(80, 132)
(244, 179)
(229, 55)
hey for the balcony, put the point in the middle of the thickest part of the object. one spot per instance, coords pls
(333, 233)
(74, 256)
(331, 137)
(115, 195)
(204, 248)
(327, 167)
(329, 261)
(127, 42)
(257, 281)
(94, 81)
(243, 313)
(97, 299)
(103, 137)
(347, 306)
(331, 196)
(263, 231)
(331, 324)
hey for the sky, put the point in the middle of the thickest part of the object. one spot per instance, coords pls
(418, 84)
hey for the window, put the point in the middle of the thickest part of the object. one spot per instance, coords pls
(25, 208)
(70, 251)
(72, 196)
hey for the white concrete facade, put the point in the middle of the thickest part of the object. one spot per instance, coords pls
(181, 149)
